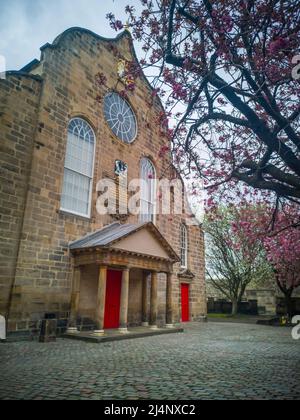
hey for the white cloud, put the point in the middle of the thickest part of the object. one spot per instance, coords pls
(26, 25)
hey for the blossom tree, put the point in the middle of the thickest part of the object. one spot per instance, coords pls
(234, 259)
(226, 72)
(284, 254)
(281, 243)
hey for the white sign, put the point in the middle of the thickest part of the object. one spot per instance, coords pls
(296, 330)
(296, 69)
(2, 67)
(2, 328)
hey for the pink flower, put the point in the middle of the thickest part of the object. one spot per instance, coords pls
(278, 45)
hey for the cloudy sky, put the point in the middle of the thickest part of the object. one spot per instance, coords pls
(26, 25)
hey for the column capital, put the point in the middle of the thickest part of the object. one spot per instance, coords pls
(157, 272)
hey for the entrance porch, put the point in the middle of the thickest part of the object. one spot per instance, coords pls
(115, 280)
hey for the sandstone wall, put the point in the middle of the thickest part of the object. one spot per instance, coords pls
(44, 267)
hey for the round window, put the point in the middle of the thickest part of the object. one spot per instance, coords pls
(120, 117)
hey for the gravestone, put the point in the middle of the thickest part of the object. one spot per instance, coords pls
(48, 329)
(2, 328)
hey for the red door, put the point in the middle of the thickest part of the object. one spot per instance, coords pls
(185, 302)
(113, 299)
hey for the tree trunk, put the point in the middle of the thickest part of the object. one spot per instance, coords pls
(288, 293)
(289, 306)
(235, 306)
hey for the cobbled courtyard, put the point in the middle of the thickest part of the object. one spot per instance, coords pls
(208, 361)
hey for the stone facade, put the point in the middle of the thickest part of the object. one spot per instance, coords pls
(36, 106)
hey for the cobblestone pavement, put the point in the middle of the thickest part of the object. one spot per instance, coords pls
(208, 361)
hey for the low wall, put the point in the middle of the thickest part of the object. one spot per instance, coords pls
(220, 306)
(266, 301)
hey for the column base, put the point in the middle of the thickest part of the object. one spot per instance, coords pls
(98, 333)
(145, 324)
(170, 326)
(123, 331)
(72, 330)
(153, 327)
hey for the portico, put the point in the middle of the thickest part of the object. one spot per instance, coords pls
(116, 274)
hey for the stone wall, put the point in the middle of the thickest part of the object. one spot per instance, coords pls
(135, 297)
(19, 102)
(266, 300)
(44, 266)
(272, 302)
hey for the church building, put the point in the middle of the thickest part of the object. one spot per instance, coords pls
(61, 134)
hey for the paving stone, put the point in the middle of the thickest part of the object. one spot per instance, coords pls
(208, 361)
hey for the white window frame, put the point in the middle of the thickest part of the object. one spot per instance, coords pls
(89, 213)
(121, 102)
(147, 167)
(184, 246)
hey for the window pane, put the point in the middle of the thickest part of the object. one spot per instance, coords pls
(76, 192)
(184, 246)
(148, 191)
(79, 164)
(120, 117)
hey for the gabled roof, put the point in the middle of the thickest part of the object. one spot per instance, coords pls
(63, 36)
(116, 232)
(30, 66)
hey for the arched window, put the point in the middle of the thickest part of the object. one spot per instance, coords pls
(148, 191)
(184, 246)
(79, 168)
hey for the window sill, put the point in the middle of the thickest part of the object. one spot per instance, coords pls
(74, 215)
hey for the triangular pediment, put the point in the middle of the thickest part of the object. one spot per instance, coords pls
(143, 242)
(143, 239)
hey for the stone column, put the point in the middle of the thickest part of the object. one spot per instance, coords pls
(101, 298)
(72, 327)
(169, 303)
(145, 314)
(154, 300)
(124, 302)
